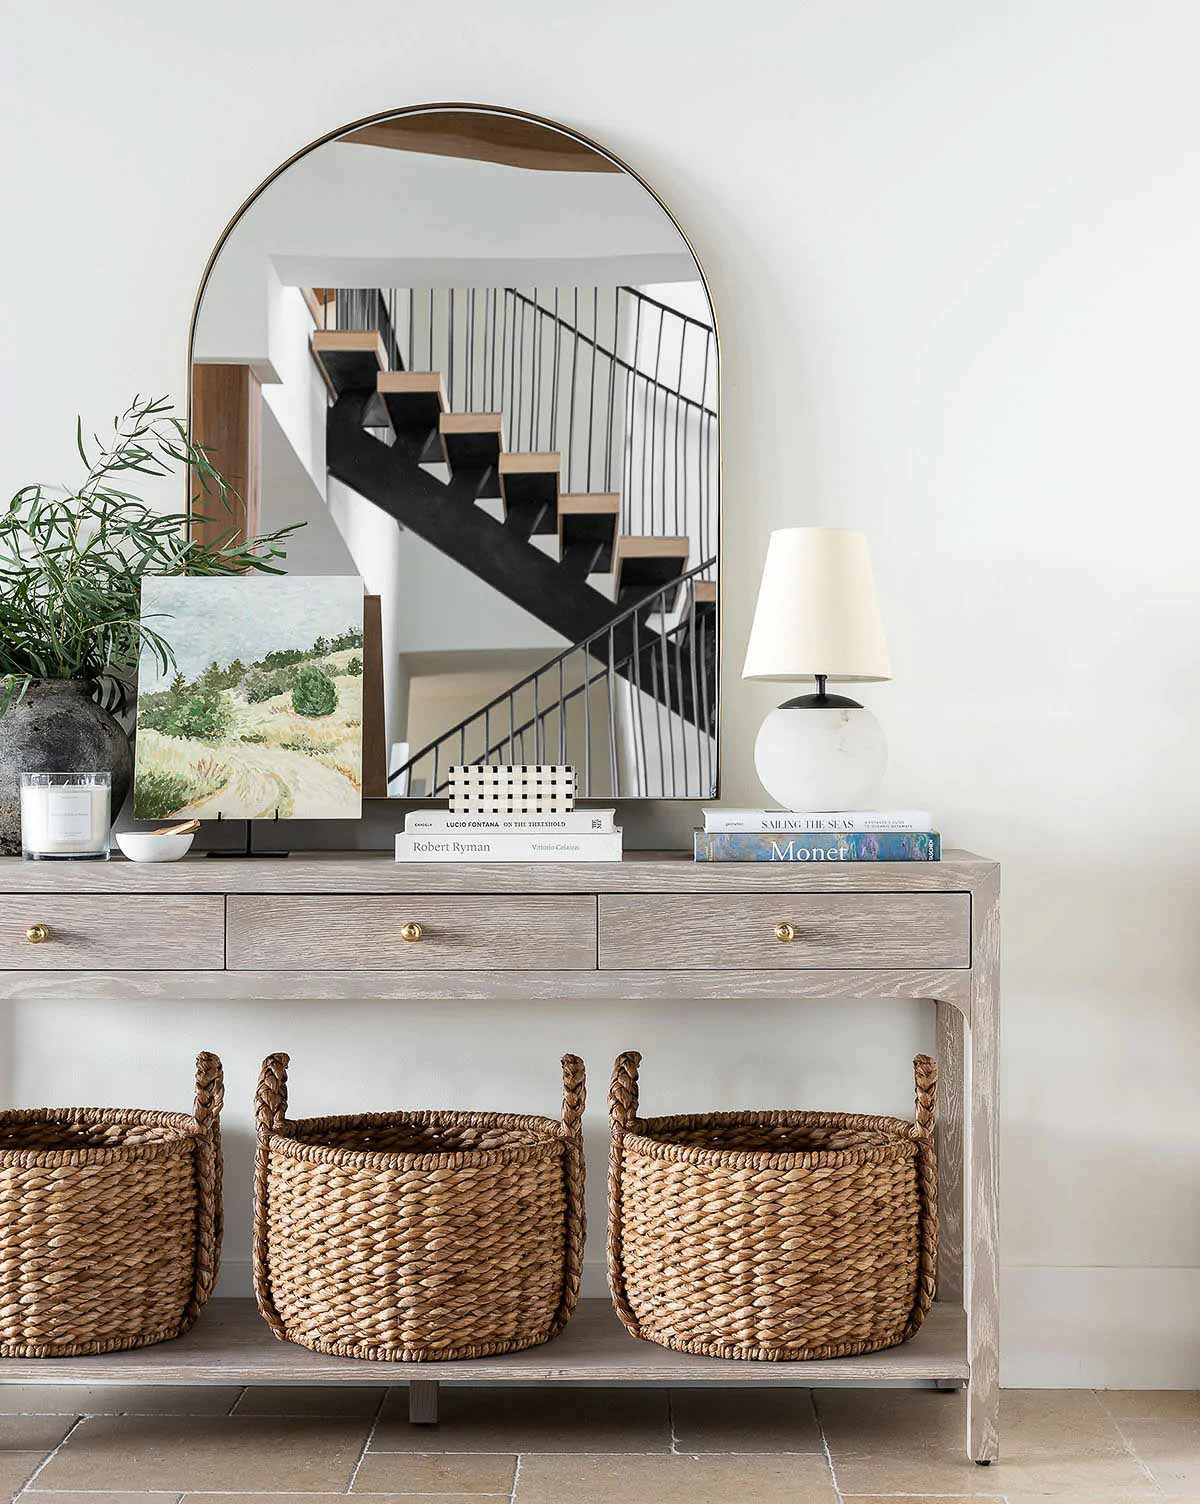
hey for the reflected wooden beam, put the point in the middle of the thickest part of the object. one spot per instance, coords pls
(484, 138)
(227, 422)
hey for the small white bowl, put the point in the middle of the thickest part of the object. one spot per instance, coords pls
(144, 846)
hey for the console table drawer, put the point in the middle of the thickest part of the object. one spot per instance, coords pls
(413, 932)
(782, 932)
(112, 932)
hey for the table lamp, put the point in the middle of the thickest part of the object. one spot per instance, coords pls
(817, 619)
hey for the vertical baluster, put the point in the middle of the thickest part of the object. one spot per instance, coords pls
(686, 529)
(503, 351)
(493, 294)
(614, 774)
(511, 747)
(612, 388)
(535, 422)
(554, 378)
(487, 711)
(691, 639)
(434, 789)
(654, 430)
(704, 698)
(657, 692)
(592, 382)
(537, 725)
(632, 467)
(677, 647)
(562, 714)
(571, 418)
(639, 717)
(450, 329)
(628, 470)
(666, 688)
(713, 502)
(520, 387)
(587, 722)
(471, 350)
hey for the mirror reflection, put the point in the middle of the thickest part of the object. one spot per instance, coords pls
(478, 359)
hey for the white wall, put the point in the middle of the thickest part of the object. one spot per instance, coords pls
(953, 248)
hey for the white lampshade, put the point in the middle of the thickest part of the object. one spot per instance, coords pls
(817, 612)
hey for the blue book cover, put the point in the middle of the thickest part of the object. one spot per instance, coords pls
(843, 846)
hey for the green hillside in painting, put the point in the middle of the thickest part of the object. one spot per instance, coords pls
(248, 740)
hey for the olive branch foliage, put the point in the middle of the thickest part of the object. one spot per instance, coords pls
(72, 562)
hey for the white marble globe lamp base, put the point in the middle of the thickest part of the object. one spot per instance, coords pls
(821, 752)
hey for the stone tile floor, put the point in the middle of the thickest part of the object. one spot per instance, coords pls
(61, 1445)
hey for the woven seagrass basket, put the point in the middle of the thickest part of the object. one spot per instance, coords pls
(413, 1236)
(772, 1235)
(110, 1223)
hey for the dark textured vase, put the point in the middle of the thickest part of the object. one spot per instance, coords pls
(57, 728)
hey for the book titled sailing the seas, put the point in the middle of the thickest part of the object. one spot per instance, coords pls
(816, 846)
(791, 821)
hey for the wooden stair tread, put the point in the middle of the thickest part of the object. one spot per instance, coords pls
(529, 485)
(415, 402)
(474, 441)
(704, 592)
(349, 359)
(642, 564)
(587, 530)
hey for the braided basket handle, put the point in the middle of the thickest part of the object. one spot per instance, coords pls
(622, 1115)
(623, 1093)
(925, 1072)
(574, 1095)
(575, 1217)
(271, 1098)
(210, 1091)
(270, 1111)
(206, 1110)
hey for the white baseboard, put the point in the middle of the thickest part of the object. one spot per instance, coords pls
(1060, 1328)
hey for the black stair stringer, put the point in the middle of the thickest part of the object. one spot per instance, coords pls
(446, 516)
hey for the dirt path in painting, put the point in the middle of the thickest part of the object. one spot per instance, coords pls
(266, 779)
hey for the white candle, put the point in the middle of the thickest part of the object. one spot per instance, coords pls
(65, 815)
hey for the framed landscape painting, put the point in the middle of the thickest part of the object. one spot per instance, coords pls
(261, 715)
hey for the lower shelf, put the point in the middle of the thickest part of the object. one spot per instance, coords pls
(231, 1344)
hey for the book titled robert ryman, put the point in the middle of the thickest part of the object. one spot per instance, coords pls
(810, 846)
(507, 846)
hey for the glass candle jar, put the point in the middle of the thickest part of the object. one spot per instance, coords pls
(65, 816)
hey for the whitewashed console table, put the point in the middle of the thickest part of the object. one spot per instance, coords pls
(655, 926)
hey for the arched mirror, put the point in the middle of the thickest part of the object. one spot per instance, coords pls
(476, 356)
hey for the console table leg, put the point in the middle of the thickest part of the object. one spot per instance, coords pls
(949, 1048)
(983, 1304)
(423, 1402)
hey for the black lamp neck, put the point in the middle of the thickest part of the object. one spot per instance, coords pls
(821, 700)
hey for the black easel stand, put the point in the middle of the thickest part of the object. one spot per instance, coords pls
(248, 849)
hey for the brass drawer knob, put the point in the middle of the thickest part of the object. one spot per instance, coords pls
(785, 933)
(411, 932)
(37, 934)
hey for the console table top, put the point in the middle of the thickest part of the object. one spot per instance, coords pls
(378, 872)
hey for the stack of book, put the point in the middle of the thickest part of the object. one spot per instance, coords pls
(579, 835)
(781, 835)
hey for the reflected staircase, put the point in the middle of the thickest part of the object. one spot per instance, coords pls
(657, 630)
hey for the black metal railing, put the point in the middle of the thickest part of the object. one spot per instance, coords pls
(622, 386)
(631, 706)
